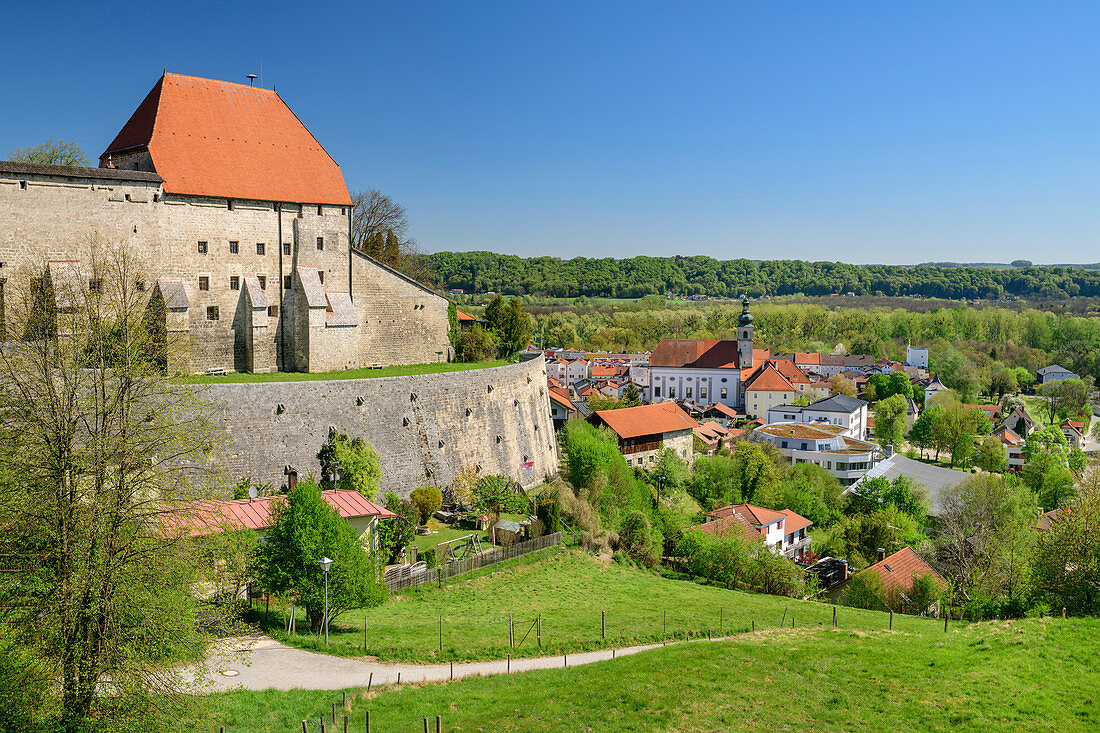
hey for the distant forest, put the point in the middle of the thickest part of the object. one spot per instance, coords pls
(636, 277)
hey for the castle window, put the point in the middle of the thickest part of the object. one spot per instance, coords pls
(234, 282)
(286, 248)
(320, 211)
(229, 204)
(156, 197)
(260, 248)
(263, 281)
(301, 211)
(212, 313)
(95, 286)
(343, 211)
(272, 311)
(321, 274)
(202, 248)
(234, 248)
(23, 185)
(288, 282)
(127, 197)
(320, 242)
(204, 282)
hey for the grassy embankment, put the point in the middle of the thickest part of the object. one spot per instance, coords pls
(1036, 674)
(570, 590)
(405, 370)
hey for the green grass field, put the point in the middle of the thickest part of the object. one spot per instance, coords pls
(405, 370)
(570, 590)
(1031, 675)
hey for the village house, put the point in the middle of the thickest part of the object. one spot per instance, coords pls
(1074, 430)
(1013, 445)
(1055, 373)
(824, 445)
(897, 571)
(646, 429)
(839, 410)
(562, 408)
(211, 517)
(1019, 422)
(785, 531)
(916, 357)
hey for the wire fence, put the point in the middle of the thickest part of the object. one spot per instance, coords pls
(414, 576)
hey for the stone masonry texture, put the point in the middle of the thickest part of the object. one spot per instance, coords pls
(426, 428)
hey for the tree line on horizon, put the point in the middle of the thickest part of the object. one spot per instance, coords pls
(636, 277)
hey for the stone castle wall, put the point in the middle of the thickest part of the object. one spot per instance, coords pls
(426, 428)
(214, 246)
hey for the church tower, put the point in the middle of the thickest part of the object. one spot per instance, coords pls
(744, 338)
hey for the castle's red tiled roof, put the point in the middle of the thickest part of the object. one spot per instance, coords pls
(634, 422)
(216, 138)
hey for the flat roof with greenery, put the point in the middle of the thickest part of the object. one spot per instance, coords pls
(403, 370)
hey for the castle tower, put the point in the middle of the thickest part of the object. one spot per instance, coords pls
(744, 337)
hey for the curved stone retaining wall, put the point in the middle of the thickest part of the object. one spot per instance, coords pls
(426, 428)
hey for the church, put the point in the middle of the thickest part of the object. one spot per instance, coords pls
(243, 222)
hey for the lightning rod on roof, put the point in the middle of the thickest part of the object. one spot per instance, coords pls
(251, 79)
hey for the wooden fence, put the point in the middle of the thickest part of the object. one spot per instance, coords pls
(419, 574)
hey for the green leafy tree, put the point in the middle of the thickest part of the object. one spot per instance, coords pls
(985, 537)
(636, 538)
(426, 500)
(991, 455)
(1047, 467)
(839, 384)
(714, 481)
(97, 479)
(477, 344)
(500, 494)
(395, 534)
(755, 466)
(304, 530)
(865, 590)
(923, 433)
(1068, 565)
(360, 467)
(808, 490)
(669, 469)
(631, 397)
(890, 416)
(51, 152)
(1002, 382)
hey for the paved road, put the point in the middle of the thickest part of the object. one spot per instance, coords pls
(260, 663)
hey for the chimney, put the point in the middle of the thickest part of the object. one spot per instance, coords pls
(881, 554)
(844, 570)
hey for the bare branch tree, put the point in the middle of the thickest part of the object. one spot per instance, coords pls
(61, 152)
(380, 228)
(100, 462)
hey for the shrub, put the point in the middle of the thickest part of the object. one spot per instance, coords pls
(636, 538)
(430, 558)
(426, 500)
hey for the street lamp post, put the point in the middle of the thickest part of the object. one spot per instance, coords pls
(325, 564)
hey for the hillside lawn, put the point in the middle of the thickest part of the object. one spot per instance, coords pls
(570, 589)
(1029, 675)
(404, 370)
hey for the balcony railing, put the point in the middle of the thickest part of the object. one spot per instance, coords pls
(627, 449)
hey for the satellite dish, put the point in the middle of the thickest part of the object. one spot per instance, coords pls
(252, 492)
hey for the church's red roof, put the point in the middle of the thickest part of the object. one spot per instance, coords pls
(216, 138)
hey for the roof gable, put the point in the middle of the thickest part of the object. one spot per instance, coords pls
(216, 138)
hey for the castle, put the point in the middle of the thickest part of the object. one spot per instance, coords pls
(244, 221)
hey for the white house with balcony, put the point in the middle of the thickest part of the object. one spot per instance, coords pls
(783, 531)
(839, 410)
(825, 445)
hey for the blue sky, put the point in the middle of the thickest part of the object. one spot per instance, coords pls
(862, 132)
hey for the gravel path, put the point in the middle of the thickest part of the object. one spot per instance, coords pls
(261, 663)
